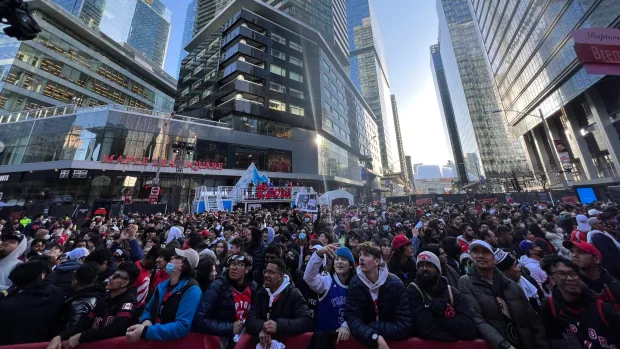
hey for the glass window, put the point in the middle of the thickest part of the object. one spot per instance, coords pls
(297, 77)
(296, 61)
(277, 87)
(278, 54)
(295, 46)
(296, 93)
(277, 105)
(277, 38)
(276, 69)
(295, 110)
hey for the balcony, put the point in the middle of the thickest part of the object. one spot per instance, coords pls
(253, 55)
(242, 86)
(243, 68)
(247, 33)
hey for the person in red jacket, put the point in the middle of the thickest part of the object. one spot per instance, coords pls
(159, 274)
(143, 281)
(466, 237)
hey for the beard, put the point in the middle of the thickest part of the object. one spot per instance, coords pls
(426, 279)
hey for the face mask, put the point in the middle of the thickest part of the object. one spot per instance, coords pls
(170, 268)
(302, 236)
(47, 237)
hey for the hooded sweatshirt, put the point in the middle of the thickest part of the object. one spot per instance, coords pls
(173, 234)
(272, 296)
(374, 288)
(536, 272)
(271, 233)
(9, 262)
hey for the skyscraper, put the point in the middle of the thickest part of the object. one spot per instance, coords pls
(409, 167)
(188, 30)
(447, 113)
(206, 11)
(150, 30)
(369, 75)
(89, 11)
(488, 148)
(399, 140)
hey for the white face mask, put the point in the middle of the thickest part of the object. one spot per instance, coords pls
(47, 237)
(559, 231)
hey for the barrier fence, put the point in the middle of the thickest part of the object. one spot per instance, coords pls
(198, 341)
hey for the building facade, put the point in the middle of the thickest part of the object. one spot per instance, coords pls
(534, 66)
(489, 150)
(399, 141)
(206, 11)
(447, 114)
(264, 78)
(409, 167)
(188, 30)
(88, 11)
(369, 75)
(69, 63)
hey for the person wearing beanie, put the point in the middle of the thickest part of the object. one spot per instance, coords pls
(332, 288)
(402, 262)
(502, 313)
(508, 265)
(583, 228)
(532, 255)
(440, 311)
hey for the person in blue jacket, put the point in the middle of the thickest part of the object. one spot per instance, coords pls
(170, 312)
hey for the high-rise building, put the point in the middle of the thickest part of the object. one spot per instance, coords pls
(206, 11)
(369, 75)
(399, 140)
(535, 69)
(69, 63)
(488, 148)
(143, 24)
(276, 79)
(188, 30)
(409, 167)
(447, 114)
(89, 11)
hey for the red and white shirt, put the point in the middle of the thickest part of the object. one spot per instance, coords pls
(142, 285)
(243, 301)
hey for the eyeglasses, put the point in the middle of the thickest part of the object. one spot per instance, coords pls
(237, 265)
(563, 275)
(118, 275)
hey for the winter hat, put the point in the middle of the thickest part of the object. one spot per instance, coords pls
(582, 223)
(399, 241)
(430, 257)
(345, 253)
(464, 257)
(594, 212)
(503, 260)
(525, 246)
(77, 253)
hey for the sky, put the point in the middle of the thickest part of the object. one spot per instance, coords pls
(409, 28)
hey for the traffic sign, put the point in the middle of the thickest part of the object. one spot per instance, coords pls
(127, 199)
(155, 191)
(153, 199)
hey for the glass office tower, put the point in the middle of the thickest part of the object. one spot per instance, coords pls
(150, 30)
(89, 11)
(488, 149)
(188, 30)
(399, 140)
(369, 75)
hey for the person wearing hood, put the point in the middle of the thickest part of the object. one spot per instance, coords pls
(278, 309)
(30, 306)
(64, 273)
(439, 311)
(509, 265)
(532, 255)
(255, 248)
(225, 305)
(12, 246)
(302, 246)
(573, 317)
(402, 263)
(268, 234)
(174, 234)
(502, 313)
(583, 228)
(607, 245)
(82, 298)
(555, 235)
(588, 259)
(377, 307)
(332, 288)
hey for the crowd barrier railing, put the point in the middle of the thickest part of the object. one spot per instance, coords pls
(198, 341)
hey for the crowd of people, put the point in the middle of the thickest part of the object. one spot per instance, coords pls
(518, 276)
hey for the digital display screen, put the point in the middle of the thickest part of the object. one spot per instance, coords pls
(586, 195)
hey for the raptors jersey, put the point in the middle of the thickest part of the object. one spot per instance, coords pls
(330, 311)
(243, 301)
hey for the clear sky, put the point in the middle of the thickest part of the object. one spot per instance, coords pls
(409, 27)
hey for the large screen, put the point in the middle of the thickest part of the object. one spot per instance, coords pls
(586, 195)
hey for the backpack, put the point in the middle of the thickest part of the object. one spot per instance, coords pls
(599, 307)
(431, 298)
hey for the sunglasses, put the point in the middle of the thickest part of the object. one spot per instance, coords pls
(118, 275)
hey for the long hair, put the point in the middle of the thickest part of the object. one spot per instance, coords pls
(224, 256)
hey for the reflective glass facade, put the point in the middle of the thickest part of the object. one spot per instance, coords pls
(369, 75)
(399, 140)
(57, 68)
(188, 30)
(117, 19)
(206, 11)
(487, 145)
(531, 52)
(89, 11)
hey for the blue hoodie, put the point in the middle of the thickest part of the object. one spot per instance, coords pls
(184, 316)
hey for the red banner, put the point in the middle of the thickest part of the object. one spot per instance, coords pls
(571, 200)
(199, 341)
(488, 200)
(426, 201)
(598, 49)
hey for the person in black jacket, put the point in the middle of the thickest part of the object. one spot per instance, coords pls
(279, 309)
(255, 248)
(31, 306)
(226, 304)
(439, 310)
(64, 273)
(83, 296)
(402, 263)
(377, 309)
(111, 316)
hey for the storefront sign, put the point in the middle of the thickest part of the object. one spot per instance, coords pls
(4, 178)
(488, 200)
(263, 191)
(76, 174)
(426, 201)
(571, 200)
(598, 49)
(137, 161)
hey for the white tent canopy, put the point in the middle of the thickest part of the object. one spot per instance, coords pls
(330, 196)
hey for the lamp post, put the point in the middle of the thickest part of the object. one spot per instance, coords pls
(181, 149)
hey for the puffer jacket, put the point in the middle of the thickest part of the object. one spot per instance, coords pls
(64, 274)
(257, 252)
(487, 314)
(216, 312)
(78, 304)
(393, 311)
(405, 272)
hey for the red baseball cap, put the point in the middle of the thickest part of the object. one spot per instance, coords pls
(400, 241)
(584, 246)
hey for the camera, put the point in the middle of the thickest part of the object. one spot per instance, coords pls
(21, 24)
